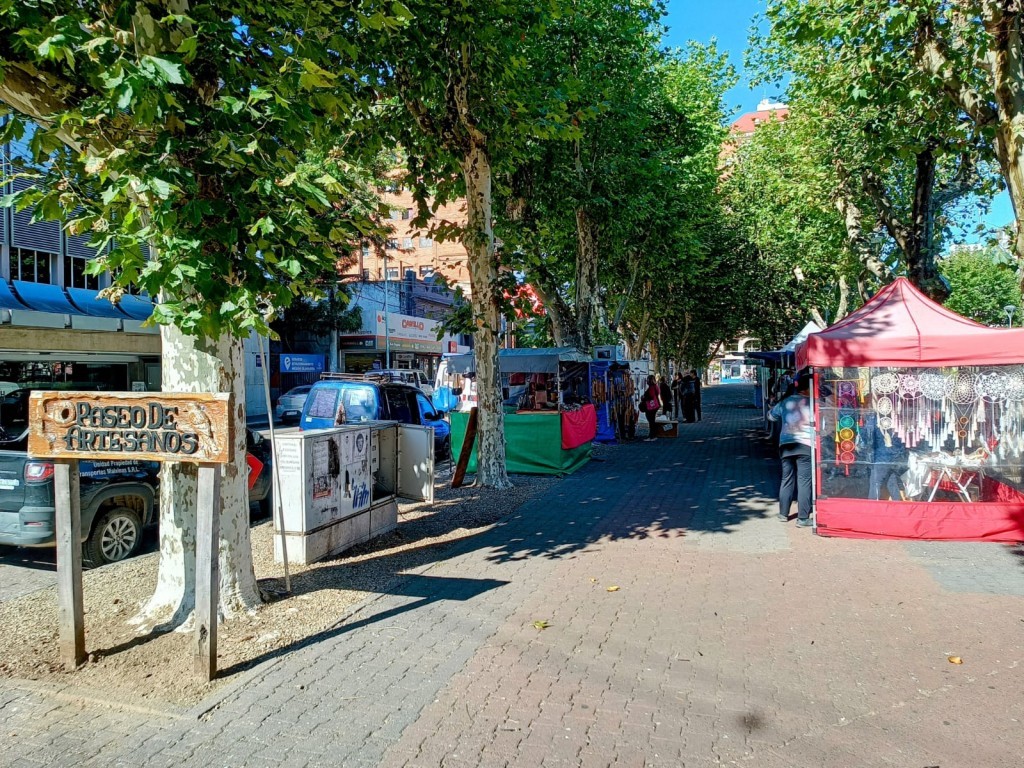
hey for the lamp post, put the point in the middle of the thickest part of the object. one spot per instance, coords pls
(1009, 309)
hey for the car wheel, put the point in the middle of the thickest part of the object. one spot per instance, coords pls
(115, 535)
(446, 450)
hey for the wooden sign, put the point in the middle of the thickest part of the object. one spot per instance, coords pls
(153, 426)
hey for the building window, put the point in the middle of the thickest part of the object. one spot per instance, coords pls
(366, 274)
(31, 266)
(406, 214)
(391, 244)
(426, 242)
(75, 276)
(392, 273)
(407, 243)
(366, 251)
(426, 271)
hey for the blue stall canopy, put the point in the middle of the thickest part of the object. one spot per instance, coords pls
(89, 303)
(7, 298)
(136, 307)
(43, 297)
(522, 360)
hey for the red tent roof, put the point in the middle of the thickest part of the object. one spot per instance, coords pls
(901, 326)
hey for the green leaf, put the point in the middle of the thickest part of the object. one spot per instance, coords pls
(170, 71)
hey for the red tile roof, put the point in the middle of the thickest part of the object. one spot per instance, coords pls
(748, 123)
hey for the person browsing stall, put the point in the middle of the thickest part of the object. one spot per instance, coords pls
(795, 442)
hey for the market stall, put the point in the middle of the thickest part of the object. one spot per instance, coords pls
(550, 423)
(920, 423)
(773, 363)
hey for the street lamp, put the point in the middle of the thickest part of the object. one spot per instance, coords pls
(1009, 309)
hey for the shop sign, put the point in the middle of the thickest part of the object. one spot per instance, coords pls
(405, 328)
(153, 426)
(302, 363)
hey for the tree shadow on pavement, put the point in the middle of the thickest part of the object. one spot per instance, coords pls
(423, 589)
(717, 476)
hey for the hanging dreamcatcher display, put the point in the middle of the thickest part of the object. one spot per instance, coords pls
(960, 405)
(848, 423)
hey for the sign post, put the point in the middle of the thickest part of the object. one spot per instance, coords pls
(164, 427)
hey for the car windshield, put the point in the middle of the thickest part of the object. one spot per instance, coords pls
(360, 403)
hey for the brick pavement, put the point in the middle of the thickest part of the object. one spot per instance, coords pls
(731, 639)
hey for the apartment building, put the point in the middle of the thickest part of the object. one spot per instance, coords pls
(413, 248)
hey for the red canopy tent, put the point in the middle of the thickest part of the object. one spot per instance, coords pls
(934, 379)
(901, 326)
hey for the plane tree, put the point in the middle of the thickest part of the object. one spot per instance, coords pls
(171, 133)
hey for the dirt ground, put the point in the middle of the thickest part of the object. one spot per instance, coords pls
(154, 671)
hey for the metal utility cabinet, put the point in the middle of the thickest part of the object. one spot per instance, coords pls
(339, 486)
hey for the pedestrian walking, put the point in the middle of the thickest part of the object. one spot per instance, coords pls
(795, 451)
(677, 396)
(650, 403)
(696, 394)
(666, 395)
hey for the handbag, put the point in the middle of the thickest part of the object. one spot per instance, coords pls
(651, 403)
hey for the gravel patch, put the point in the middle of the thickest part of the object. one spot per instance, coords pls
(155, 670)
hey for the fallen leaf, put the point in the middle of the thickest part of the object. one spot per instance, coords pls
(955, 660)
(540, 624)
(613, 589)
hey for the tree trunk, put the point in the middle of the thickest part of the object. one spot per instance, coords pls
(921, 267)
(483, 276)
(586, 279)
(193, 365)
(558, 312)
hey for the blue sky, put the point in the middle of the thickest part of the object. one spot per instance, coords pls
(729, 22)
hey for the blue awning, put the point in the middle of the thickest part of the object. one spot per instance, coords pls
(136, 307)
(89, 303)
(7, 299)
(43, 297)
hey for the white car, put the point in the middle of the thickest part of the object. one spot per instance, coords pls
(289, 406)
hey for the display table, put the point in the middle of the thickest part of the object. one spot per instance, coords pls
(533, 440)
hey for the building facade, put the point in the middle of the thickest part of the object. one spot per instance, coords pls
(411, 248)
(55, 332)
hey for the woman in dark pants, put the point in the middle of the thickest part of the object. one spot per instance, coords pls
(651, 397)
(795, 451)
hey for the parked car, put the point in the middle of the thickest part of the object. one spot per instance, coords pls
(289, 405)
(371, 400)
(415, 378)
(118, 498)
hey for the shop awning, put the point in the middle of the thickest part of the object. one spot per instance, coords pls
(8, 299)
(89, 303)
(43, 297)
(136, 307)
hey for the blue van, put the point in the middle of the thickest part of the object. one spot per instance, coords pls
(335, 401)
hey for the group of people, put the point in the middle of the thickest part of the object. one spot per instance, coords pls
(680, 400)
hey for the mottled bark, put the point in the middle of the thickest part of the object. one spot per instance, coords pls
(192, 365)
(587, 233)
(1001, 109)
(478, 239)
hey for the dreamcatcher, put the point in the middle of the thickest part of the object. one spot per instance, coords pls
(847, 422)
